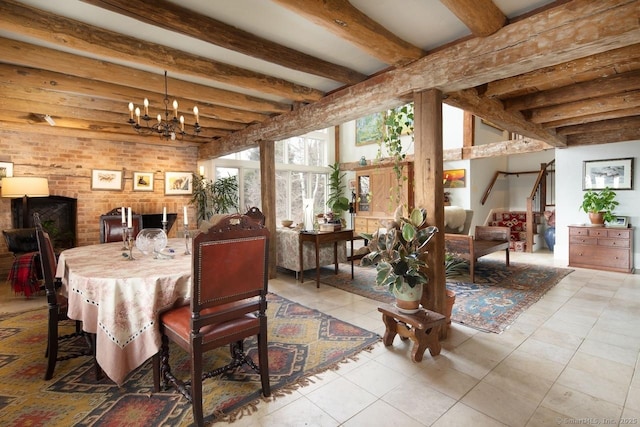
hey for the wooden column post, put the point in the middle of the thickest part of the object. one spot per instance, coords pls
(429, 190)
(268, 196)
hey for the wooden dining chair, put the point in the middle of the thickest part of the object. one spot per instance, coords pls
(228, 304)
(111, 226)
(255, 214)
(57, 304)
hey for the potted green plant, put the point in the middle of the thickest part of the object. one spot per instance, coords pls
(214, 197)
(599, 205)
(398, 255)
(337, 202)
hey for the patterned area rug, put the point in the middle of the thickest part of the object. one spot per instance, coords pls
(302, 342)
(492, 304)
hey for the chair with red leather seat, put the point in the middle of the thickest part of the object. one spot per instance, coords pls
(56, 302)
(228, 304)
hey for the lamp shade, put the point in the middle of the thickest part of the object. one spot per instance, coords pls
(20, 186)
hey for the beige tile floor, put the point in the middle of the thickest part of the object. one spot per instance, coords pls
(572, 358)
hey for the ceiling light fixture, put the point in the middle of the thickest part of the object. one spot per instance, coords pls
(166, 128)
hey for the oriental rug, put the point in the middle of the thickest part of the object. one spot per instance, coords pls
(302, 342)
(491, 304)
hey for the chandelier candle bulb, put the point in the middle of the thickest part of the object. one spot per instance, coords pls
(131, 112)
(175, 108)
(146, 107)
(159, 118)
(138, 115)
(182, 123)
(195, 113)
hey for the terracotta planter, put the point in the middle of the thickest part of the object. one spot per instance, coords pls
(451, 299)
(596, 217)
(408, 298)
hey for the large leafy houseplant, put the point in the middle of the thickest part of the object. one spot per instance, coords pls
(399, 253)
(603, 201)
(213, 197)
(337, 202)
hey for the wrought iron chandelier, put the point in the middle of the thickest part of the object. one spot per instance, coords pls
(167, 128)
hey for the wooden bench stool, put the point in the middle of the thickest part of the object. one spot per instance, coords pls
(422, 328)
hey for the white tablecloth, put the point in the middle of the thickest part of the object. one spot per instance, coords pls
(119, 300)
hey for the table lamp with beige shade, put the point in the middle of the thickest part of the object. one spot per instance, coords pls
(24, 187)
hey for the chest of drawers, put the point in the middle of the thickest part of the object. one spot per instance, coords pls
(601, 248)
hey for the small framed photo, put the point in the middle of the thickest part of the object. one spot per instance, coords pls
(619, 222)
(102, 179)
(6, 170)
(178, 183)
(143, 181)
(616, 174)
(454, 178)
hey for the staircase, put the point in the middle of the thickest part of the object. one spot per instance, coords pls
(524, 224)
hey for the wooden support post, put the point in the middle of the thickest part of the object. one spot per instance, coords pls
(268, 196)
(429, 191)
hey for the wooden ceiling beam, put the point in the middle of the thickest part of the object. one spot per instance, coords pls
(482, 17)
(349, 23)
(31, 79)
(493, 110)
(591, 118)
(586, 107)
(602, 125)
(559, 35)
(592, 89)
(29, 55)
(71, 34)
(604, 137)
(190, 23)
(615, 61)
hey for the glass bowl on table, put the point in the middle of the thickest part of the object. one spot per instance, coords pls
(152, 241)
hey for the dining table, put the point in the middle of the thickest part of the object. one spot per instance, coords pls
(119, 299)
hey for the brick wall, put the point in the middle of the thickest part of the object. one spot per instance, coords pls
(67, 163)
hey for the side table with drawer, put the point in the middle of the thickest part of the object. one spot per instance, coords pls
(601, 248)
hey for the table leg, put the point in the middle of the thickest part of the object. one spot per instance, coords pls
(317, 262)
(300, 258)
(351, 257)
(335, 256)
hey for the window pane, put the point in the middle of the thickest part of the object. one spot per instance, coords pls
(251, 187)
(282, 198)
(316, 150)
(295, 151)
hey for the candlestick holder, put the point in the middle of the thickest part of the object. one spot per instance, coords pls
(164, 226)
(187, 238)
(130, 242)
(124, 236)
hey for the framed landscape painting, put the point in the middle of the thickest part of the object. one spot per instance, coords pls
(616, 174)
(143, 181)
(178, 183)
(370, 129)
(102, 179)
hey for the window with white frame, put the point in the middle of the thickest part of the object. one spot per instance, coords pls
(301, 173)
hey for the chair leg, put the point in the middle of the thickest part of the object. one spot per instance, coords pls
(156, 371)
(263, 359)
(52, 344)
(196, 387)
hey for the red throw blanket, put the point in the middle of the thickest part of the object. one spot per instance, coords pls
(23, 275)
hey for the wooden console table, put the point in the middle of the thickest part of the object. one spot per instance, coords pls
(318, 238)
(422, 328)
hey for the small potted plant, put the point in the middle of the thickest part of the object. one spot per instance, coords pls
(599, 205)
(398, 255)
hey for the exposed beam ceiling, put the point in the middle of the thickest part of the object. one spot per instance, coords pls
(563, 72)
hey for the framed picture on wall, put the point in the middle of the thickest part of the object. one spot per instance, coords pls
(616, 174)
(454, 178)
(102, 179)
(6, 170)
(370, 129)
(143, 181)
(178, 183)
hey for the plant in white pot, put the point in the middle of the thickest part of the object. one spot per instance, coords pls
(599, 205)
(399, 256)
